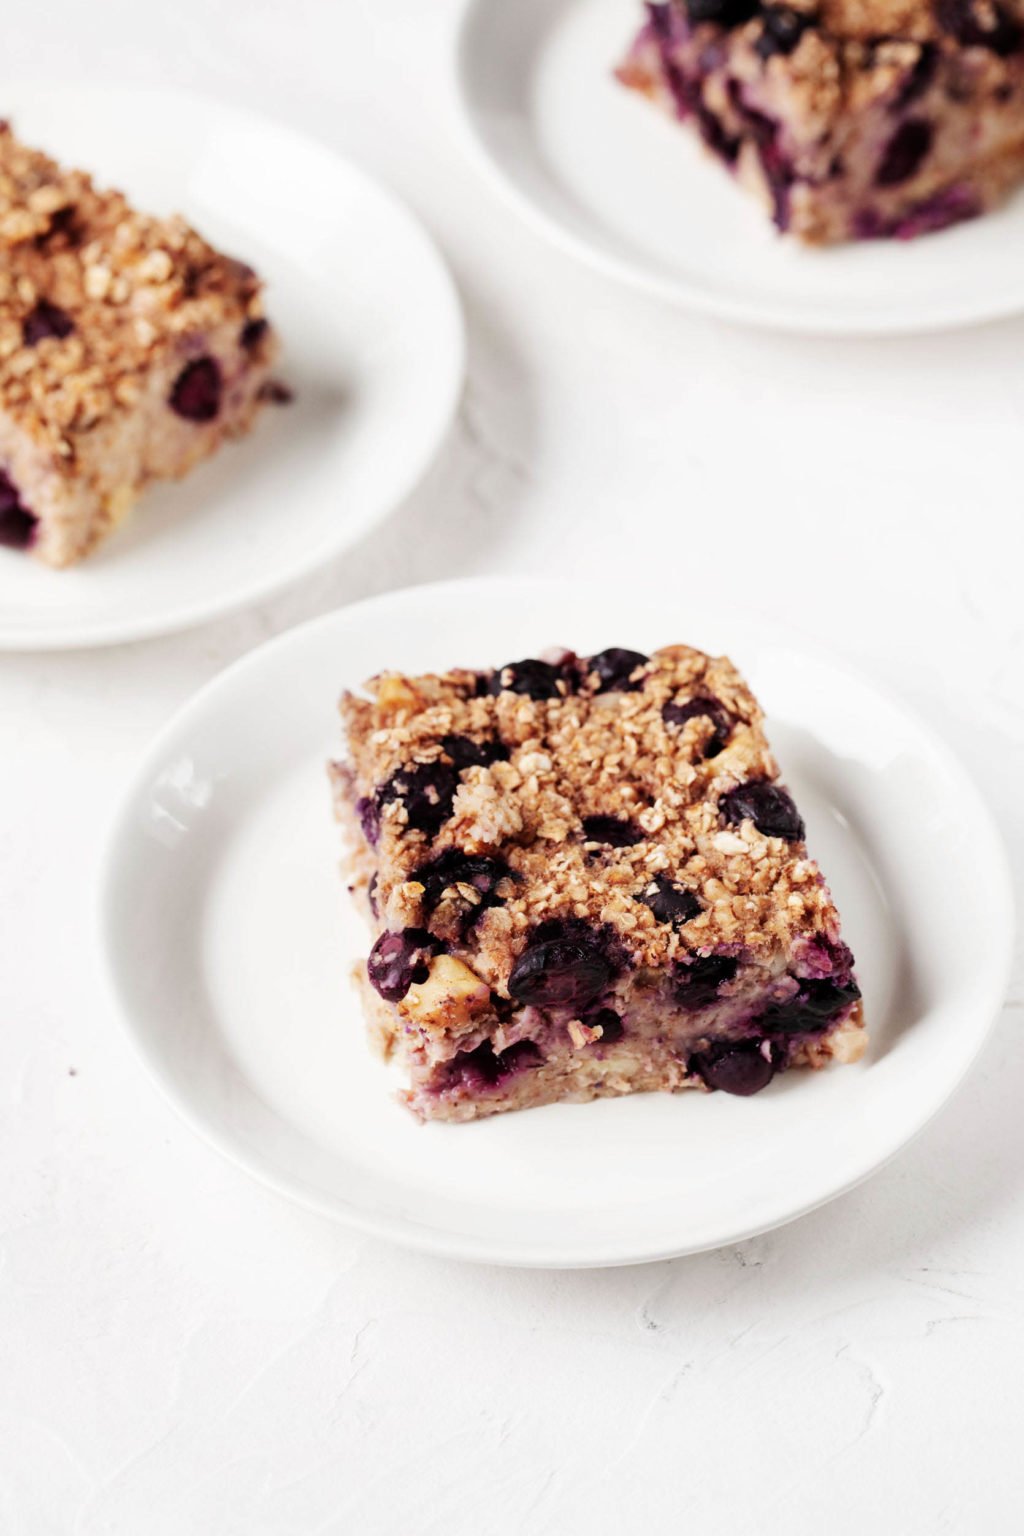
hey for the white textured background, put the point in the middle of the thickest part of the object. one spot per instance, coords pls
(183, 1354)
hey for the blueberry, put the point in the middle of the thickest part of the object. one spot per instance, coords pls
(724, 13)
(703, 708)
(46, 320)
(918, 78)
(483, 1067)
(743, 1067)
(698, 981)
(980, 27)
(814, 1006)
(614, 668)
(466, 753)
(251, 336)
(8, 493)
(715, 136)
(611, 830)
(782, 30)
(776, 165)
(517, 1058)
(368, 812)
(453, 867)
(562, 967)
(427, 791)
(535, 679)
(769, 807)
(197, 390)
(397, 960)
(904, 152)
(670, 903)
(660, 13)
(17, 524)
(475, 1069)
(63, 228)
(610, 1025)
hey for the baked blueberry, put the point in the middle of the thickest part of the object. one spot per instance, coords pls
(516, 1058)
(45, 320)
(742, 1067)
(453, 867)
(781, 30)
(660, 13)
(563, 966)
(535, 679)
(475, 1069)
(467, 753)
(767, 805)
(17, 524)
(614, 831)
(697, 980)
(252, 335)
(397, 960)
(610, 1025)
(427, 791)
(904, 153)
(703, 708)
(814, 1006)
(614, 669)
(918, 78)
(368, 814)
(670, 903)
(483, 1067)
(980, 24)
(197, 390)
(724, 13)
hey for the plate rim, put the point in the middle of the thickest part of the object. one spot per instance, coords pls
(461, 1246)
(778, 317)
(445, 394)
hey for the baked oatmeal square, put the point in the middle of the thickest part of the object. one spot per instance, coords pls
(130, 350)
(850, 119)
(584, 878)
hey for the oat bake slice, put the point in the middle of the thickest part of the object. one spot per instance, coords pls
(851, 119)
(584, 879)
(129, 350)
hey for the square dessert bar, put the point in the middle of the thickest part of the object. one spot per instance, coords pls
(852, 119)
(129, 349)
(584, 879)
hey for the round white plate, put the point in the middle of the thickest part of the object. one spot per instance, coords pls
(229, 937)
(611, 179)
(374, 350)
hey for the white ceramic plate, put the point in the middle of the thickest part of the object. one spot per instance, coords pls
(374, 350)
(612, 180)
(228, 938)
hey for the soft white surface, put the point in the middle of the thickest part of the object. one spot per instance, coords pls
(184, 1353)
(373, 396)
(611, 178)
(233, 985)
